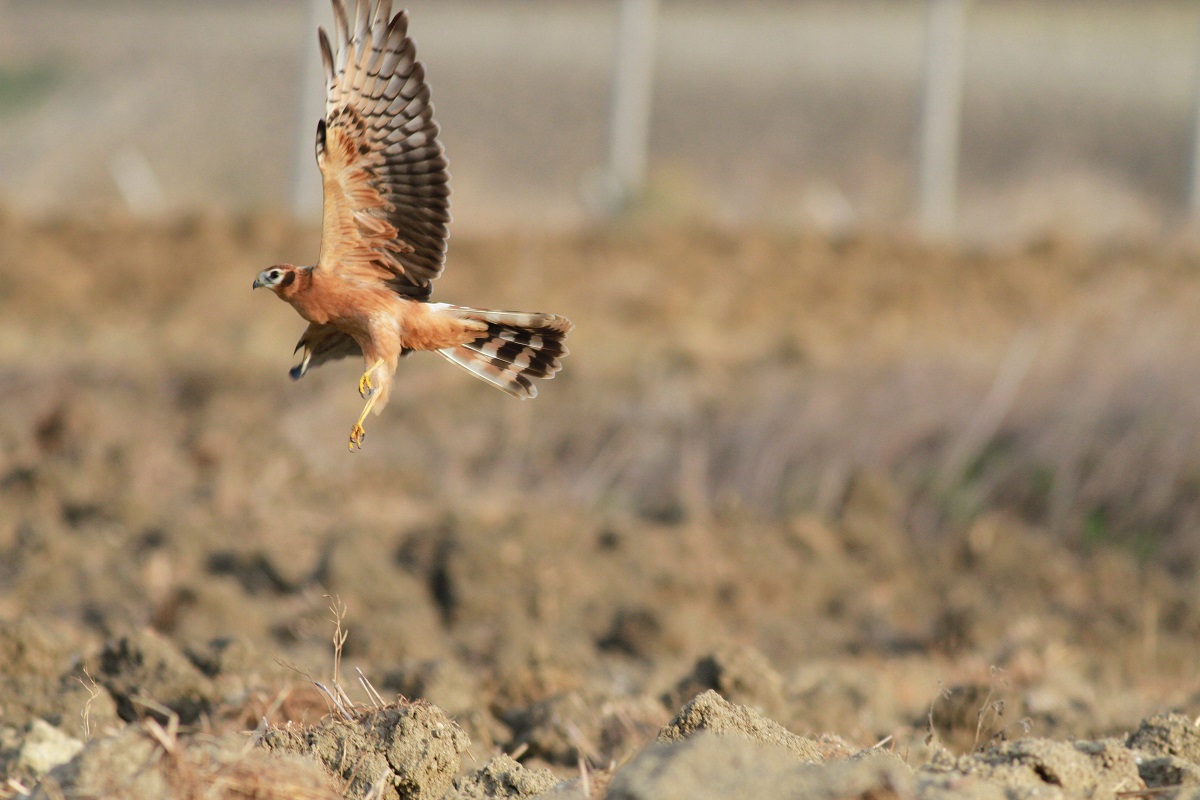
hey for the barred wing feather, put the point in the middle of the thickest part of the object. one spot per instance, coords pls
(385, 174)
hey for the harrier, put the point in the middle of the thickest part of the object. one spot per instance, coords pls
(383, 233)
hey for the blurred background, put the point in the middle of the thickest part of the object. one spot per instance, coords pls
(887, 351)
(1075, 116)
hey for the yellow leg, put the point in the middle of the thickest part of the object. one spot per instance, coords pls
(357, 434)
(364, 383)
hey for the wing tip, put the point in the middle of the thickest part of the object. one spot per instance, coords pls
(326, 54)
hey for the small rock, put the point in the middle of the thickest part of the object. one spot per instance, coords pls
(45, 747)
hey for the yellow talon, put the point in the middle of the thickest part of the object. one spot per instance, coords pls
(357, 434)
(364, 383)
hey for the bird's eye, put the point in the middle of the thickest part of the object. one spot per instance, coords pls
(274, 274)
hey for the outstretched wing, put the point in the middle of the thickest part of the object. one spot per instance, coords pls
(386, 183)
(322, 343)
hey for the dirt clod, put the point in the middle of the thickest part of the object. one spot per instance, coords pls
(38, 681)
(588, 724)
(410, 752)
(1081, 768)
(1168, 771)
(967, 717)
(741, 674)
(1168, 735)
(443, 682)
(715, 767)
(502, 777)
(712, 713)
(144, 673)
(145, 763)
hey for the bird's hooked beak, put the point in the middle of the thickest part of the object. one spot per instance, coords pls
(257, 282)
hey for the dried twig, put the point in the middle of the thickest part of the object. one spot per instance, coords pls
(93, 693)
(335, 700)
(585, 781)
(376, 698)
(338, 609)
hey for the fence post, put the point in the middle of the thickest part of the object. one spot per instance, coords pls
(1193, 198)
(633, 80)
(941, 114)
(306, 179)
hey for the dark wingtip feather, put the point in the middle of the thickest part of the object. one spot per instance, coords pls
(341, 22)
(326, 54)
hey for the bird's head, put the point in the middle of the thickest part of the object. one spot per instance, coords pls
(277, 278)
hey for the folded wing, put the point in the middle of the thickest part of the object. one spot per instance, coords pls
(322, 343)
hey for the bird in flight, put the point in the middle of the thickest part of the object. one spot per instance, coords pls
(383, 232)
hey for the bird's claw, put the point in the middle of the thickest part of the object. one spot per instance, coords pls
(357, 434)
(364, 385)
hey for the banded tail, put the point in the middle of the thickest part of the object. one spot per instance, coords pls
(513, 348)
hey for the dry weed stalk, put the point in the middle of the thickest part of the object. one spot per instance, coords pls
(585, 782)
(346, 707)
(1153, 792)
(943, 693)
(337, 701)
(93, 692)
(376, 790)
(997, 678)
(889, 739)
(338, 609)
(14, 788)
(586, 749)
(996, 707)
(376, 698)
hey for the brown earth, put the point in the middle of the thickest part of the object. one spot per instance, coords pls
(923, 521)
